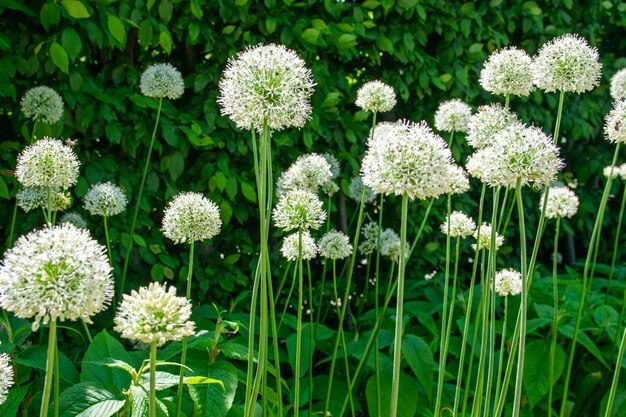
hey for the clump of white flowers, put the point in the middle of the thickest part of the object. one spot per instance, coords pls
(299, 210)
(508, 282)
(73, 218)
(461, 226)
(266, 85)
(57, 273)
(484, 125)
(335, 245)
(47, 163)
(484, 242)
(154, 314)
(309, 172)
(105, 199)
(191, 217)
(31, 198)
(356, 189)
(566, 63)
(615, 123)
(375, 97)
(562, 202)
(508, 72)
(611, 172)
(453, 116)
(369, 232)
(42, 104)
(162, 81)
(618, 85)
(6, 376)
(291, 246)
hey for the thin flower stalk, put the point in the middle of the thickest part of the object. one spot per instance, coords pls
(615, 382)
(183, 357)
(376, 290)
(555, 318)
(50, 368)
(298, 375)
(153, 357)
(620, 218)
(502, 349)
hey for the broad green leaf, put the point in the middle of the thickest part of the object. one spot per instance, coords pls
(36, 357)
(536, 381)
(11, 405)
(310, 35)
(305, 354)
(105, 346)
(117, 29)
(88, 399)
(76, 9)
(213, 400)
(420, 359)
(165, 40)
(384, 43)
(249, 192)
(346, 40)
(49, 15)
(4, 190)
(407, 392)
(140, 403)
(145, 33)
(59, 57)
(71, 43)
(583, 339)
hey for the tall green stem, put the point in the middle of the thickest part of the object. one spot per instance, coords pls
(183, 356)
(502, 349)
(47, 388)
(376, 289)
(153, 356)
(296, 406)
(618, 368)
(12, 230)
(615, 245)
(555, 317)
(559, 114)
(108, 242)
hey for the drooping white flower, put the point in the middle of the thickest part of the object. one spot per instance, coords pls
(376, 97)
(309, 172)
(6, 376)
(154, 314)
(508, 282)
(105, 199)
(162, 81)
(47, 163)
(299, 210)
(291, 247)
(369, 234)
(191, 217)
(335, 245)
(30, 198)
(461, 226)
(73, 218)
(562, 202)
(42, 104)
(615, 123)
(508, 72)
(611, 172)
(266, 84)
(484, 242)
(484, 125)
(453, 116)
(356, 190)
(57, 273)
(618, 85)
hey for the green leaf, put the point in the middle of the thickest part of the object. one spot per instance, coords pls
(71, 43)
(536, 381)
(145, 33)
(88, 399)
(270, 24)
(11, 405)
(165, 10)
(310, 35)
(76, 9)
(36, 358)
(346, 40)
(384, 43)
(249, 192)
(117, 29)
(49, 15)
(165, 40)
(307, 347)
(140, 403)
(113, 132)
(213, 400)
(105, 346)
(408, 393)
(420, 359)
(4, 190)
(59, 57)
(583, 339)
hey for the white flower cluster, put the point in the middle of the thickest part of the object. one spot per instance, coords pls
(453, 116)
(461, 226)
(6, 376)
(618, 85)
(487, 123)
(508, 282)
(508, 72)
(369, 232)
(291, 247)
(484, 242)
(335, 245)
(154, 314)
(309, 172)
(299, 210)
(47, 163)
(266, 84)
(562, 202)
(356, 189)
(615, 123)
(31, 198)
(376, 97)
(408, 159)
(566, 63)
(57, 273)
(105, 199)
(73, 218)
(611, 172)
(390, 244)
(457, 180)
(42, 104)
(162, 81)
(191, 217)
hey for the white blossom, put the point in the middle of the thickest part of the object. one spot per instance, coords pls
(376, 97)
(508, 282)
(47, 163)
(562, 202)
(42, 104)
(452, 116)
(162, 80)
(461, 226)
(291, 247)
(105, 199)
(335, 245)
(191, 217)
(299, 210)
(508, 72)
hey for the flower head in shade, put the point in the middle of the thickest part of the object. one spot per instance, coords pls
(47, 163)
(615, 123)
(6, 376)
(329, 188)
(618, 85)
(356, 189)
(42, 104)
(507, 72)
(31, 198)
(508, 282)
(291, 247)
(487, 123)
(369, 233)
(191, 217)
(566, 63)
(335, 167)
(562, 202)
(73, 218)
(611, 172)
(162, 81)
(57, 273)
(461, 226)
(335, 245)
(299, 210)
(105, 199)
(452, 116)
(154, 314)
(484, 242)
(622, 171)
(376, 97)
(410, 159)
(309, 172)
(266, 84)
(390, 244)
(457, 180)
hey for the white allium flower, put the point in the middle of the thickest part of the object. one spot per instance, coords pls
(508, 282)
(291, 247)
(410, 160)
(266, 84)
(309, 172)
(485, 238)
(31, 198)
(75, 219)
(47, 163)
(105, 199)
(611, 171)
(369, 233)
(191, 217)
(299, 210)
(335, 167)
(390, 244)
(487, 123)
(162, 80)
(508, 72)
(355, 191)
(562, 202)
(566, 63)
(329, 188)
(461, 226)
(335, 245)
(57, 273)
(618, 85)
(453, 116)
(457, 180)
(622, 171)
(6, 376)
(615, 123)
(42, 104)
(154, 314)
(375, 97)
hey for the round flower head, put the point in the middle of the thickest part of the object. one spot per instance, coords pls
(485, 238)
(461, 226)
(57, 273)
(375, 97)
(562, 202)
(457, 180)
(291, 247)
(266, 84)
(6, 376)
(618, 85)
(389, 244)
(611, 172)
(329, 188)
(335, 245)
(335, 167)
(622, 171)
(487, 123)
(453, 116)
(162, 81)
(566, 63)
(507, 72)
(75, 219)
(191, 217)
(105, 199)
(308, 172)
(154, 314)
(42, 104)
(369, 232)
(615, 123)
(31, 198)
(409, 160)
(47, 163)
(356, 189)
(508, 282)
(299, 210)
